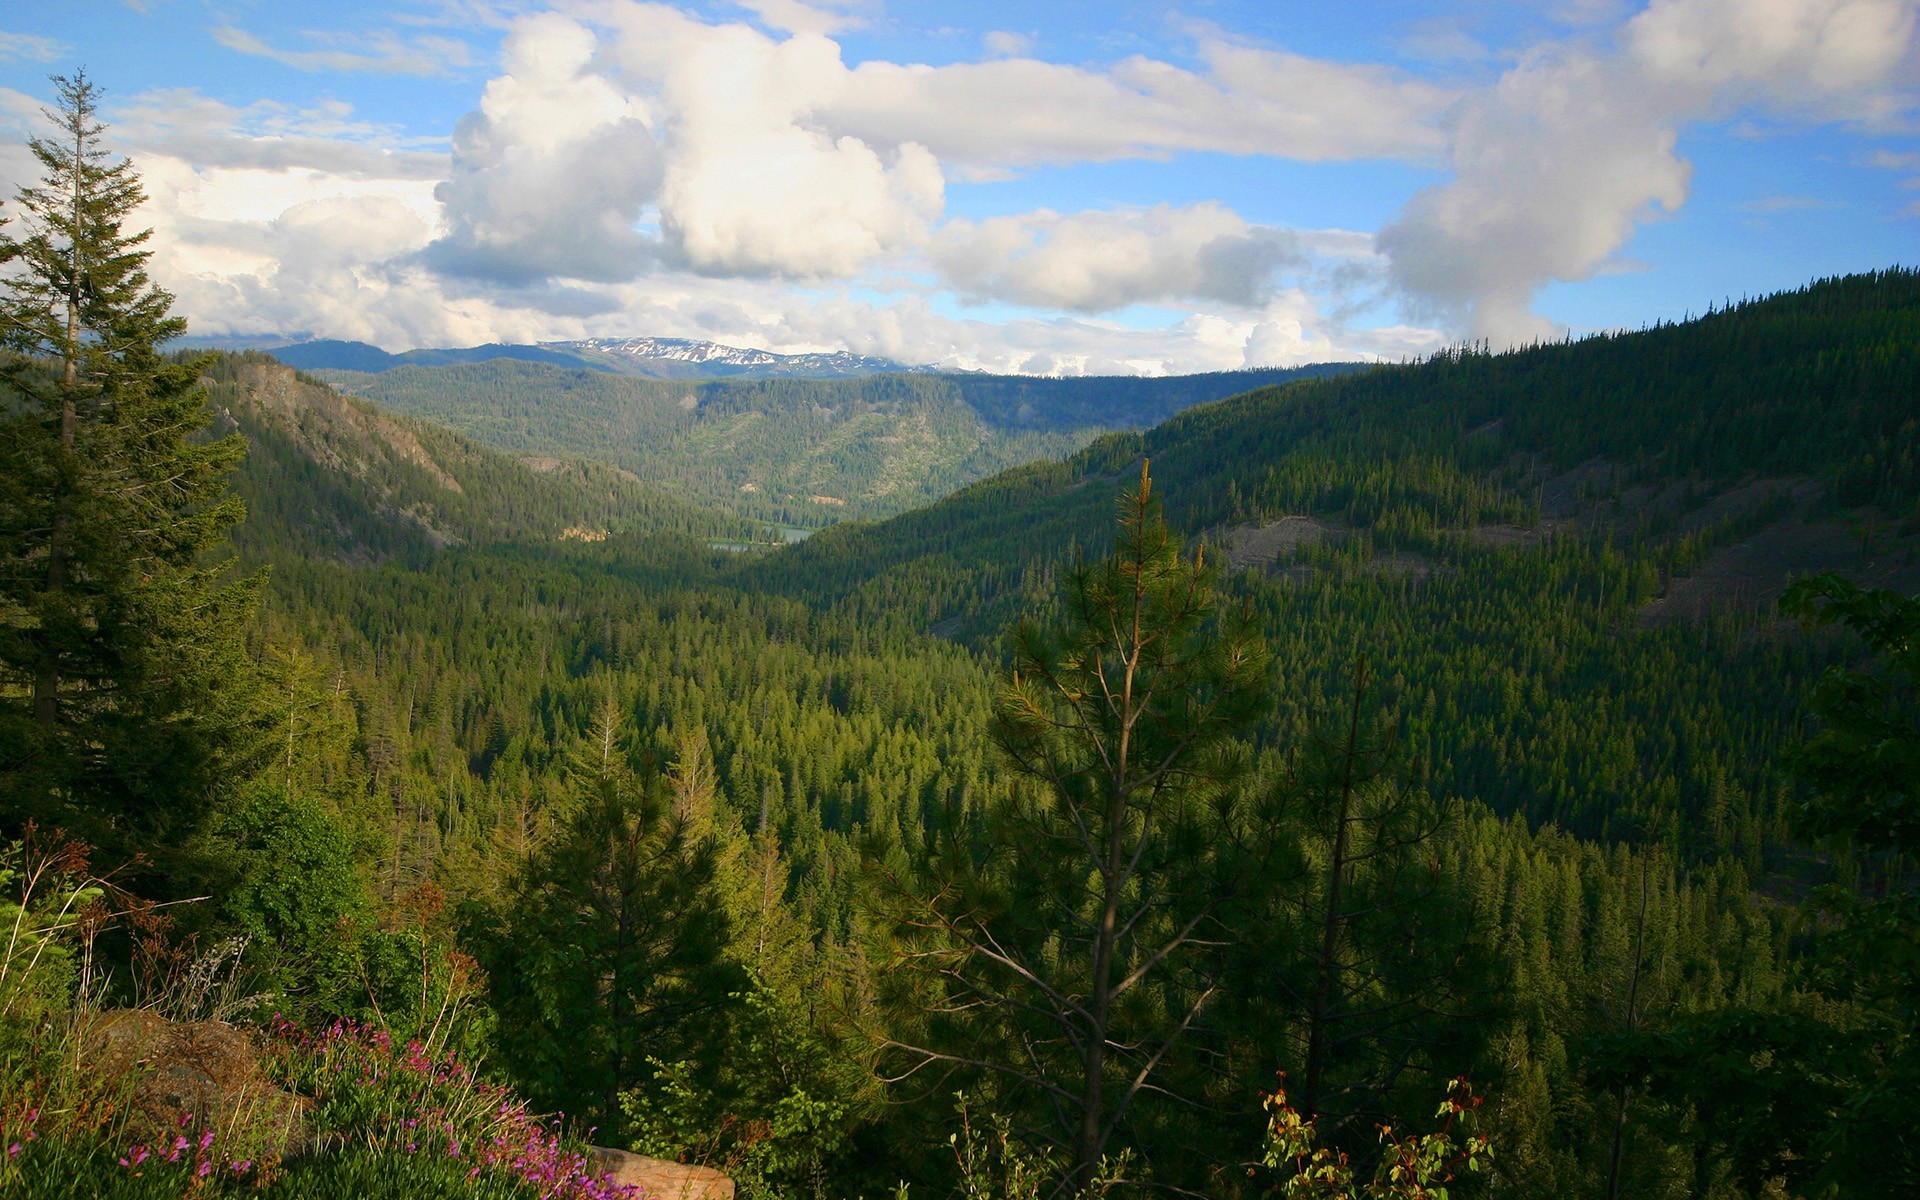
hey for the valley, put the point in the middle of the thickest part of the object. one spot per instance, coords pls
(1565, 610)
(806, 452)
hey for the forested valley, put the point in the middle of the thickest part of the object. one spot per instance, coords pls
(1170, 818)
(801, 452)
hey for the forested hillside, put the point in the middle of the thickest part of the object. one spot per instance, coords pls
(330, 476)
(806, 452)
(1469, 741)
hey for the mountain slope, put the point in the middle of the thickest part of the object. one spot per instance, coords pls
(1822, 384)
(1559, 561)
(801, 451)
(332, 476)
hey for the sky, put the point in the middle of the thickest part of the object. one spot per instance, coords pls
(1064, 187)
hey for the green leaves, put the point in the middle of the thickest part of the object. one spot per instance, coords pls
(1410, 1168)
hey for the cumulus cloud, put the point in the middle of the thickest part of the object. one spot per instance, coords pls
(1557, 164)
(633, 168)
(744, 153)
(752, 186)
(1098, 261)
(551, 174)
(671, 141)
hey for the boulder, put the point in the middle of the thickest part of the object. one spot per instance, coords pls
(659, 1179)
(207, 1069)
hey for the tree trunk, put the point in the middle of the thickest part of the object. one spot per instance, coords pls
(46, 680)
(1633, 1020)
(1320, 1017)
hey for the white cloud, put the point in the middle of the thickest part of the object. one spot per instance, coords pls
(793, 16)
(382, 53)
(31, 47)
(1021, 112)
(752, 185)
(1285, 333)
(182, 123)
(1099, 261)
(551, 174)
(759, 155)
(1004, 43)
(1558, 163)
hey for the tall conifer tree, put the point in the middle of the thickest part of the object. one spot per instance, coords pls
(125, 690)
(1070, 944)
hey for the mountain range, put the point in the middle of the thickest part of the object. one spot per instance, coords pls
(647, 357)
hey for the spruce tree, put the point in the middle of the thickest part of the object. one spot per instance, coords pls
(125, 689)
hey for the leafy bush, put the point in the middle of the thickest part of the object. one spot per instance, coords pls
(1410, 1168)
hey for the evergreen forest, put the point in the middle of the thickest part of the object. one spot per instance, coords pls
(1183, 810)
(801, 452)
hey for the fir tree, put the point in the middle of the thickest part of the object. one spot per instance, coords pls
(125, 693)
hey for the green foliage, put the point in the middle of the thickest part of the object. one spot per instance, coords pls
(1410, 1168)
(125, 694)
(993, 1164)
(1061, 943)
(284, 874)
(47, 894)
(1817, 1094)
(777, 1117)
(1863, 763)
(329, 475)
(1609, 928)
(605, 954)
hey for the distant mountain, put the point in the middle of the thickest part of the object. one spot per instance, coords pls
(647, 357)
(359, 356)
(680, 358)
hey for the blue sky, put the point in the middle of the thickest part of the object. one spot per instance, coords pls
(1062, 187)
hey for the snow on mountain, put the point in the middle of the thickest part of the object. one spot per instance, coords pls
(684, 358)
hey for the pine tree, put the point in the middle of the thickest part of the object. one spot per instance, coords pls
(125, 691)
(1071, 942)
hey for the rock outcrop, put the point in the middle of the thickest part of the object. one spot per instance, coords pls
(659, 1179)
